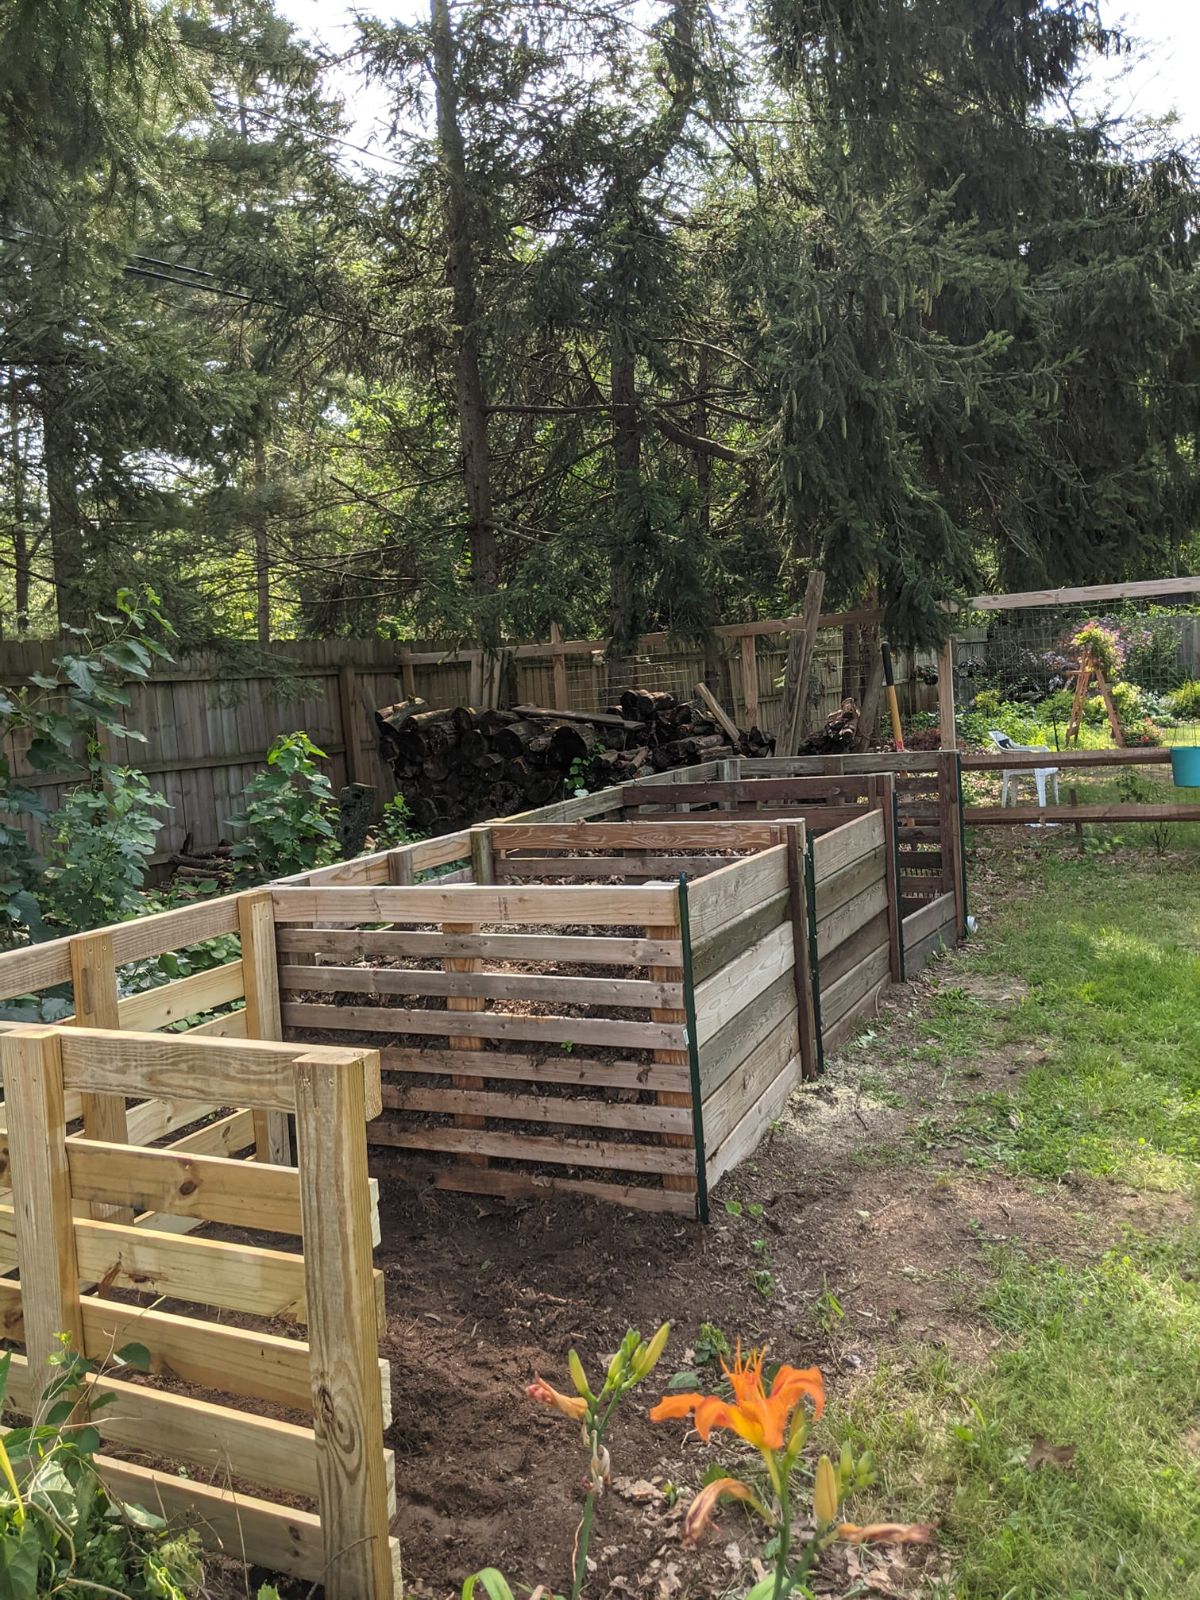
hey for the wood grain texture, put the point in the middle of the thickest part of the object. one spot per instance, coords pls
(94, 981)
(469, 903)
(41, 1232)
(243, 1194)
(489, 1025)
(256, 923)
(352, 1475)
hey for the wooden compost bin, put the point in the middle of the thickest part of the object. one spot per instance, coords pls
(580, 1018)
(922, 790)
(106, 1235)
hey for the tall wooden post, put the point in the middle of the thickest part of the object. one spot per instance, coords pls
(260, 975)
(945, 688)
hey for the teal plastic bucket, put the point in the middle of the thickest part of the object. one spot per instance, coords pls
(1185, 766)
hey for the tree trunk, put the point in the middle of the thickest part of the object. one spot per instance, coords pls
(60, 454)
(262, 554)
(20, 531)
(460, 276)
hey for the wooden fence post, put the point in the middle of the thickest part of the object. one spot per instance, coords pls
(945, 689)
(887, 802)
(749, 646)
(558, 669)
(35, 1106)
(260, 975)
(799, 668)
(94, 980)
(348, 716)
(335, 1210)
(667, 1097)
(806, 1014)
(950, 830)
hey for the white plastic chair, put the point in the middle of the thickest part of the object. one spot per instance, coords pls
(1012, 776)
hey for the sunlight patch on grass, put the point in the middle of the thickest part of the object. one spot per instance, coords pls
(1102, 1358)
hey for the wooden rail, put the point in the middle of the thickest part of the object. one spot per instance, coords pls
(992, 816)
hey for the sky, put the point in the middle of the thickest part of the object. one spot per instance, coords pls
(1164, 77)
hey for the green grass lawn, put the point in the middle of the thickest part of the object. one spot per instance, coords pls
(1098, 1351)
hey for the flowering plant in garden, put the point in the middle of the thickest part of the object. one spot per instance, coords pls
(593, 1411)
(776, 1422)
(1103, 644)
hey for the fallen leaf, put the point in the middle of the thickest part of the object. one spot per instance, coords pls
(640, 1490)
(1044, 1454)
(733, 1554)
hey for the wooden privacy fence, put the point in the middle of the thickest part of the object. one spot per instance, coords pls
(210, 717)
(105, 1282)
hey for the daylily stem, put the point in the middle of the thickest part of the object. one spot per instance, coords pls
(582, 1537)
(10, 1479)
(783, 1583)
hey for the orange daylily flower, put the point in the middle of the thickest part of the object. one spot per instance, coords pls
(699, 1513)
(571, 1405)
(887, 1533)
(756, 1416)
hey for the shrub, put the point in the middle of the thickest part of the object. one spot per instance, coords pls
(290, 817)
(61, 1532)
(395, 826)
(100, 849)
(1103, 644)
(1185, 701)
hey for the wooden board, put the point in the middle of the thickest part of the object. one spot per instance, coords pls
(736, 889)
(563, 1069)
(991, 816)
(751, 1079)
(563, 1110)
(627, 1157)
(353, 944)
(844, 996)
(846, 844)
(488, 1025)
(617, 992)
(549, 904)
(538, 1186)
(750, 1131)
(729, 991)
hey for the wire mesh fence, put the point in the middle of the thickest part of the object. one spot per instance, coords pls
(1015, 672)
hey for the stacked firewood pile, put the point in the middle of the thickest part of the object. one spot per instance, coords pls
(456, 766)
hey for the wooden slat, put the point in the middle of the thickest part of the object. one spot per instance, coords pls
(835, 850)
(488, 1025)
(244, 1194)
(221, 1439)
(722, 1053)
(353, 1477)
(855, 1019)
(637, 834)
(568, 1110)
(721, 947)
(567, 1069)
(232, 1025)
(1010, 760)
(94, 981)
(155, 1119)
(735, 890)
(185, 997)
(918, 923)
(267, 1283)
(844, 996)
(278, 1538)
(256, 923)
(213, 1355)
(41, 1237)
(521, 869)
(749, 1132)
(1149, 588)
(619, 992)
(741, 1089)
(837, 887)
(597, 950)
(538, 1185)
(720, 998)
(626, 1157)
(249, 1072)
(468, 903)
(847, 919)
(990, 816)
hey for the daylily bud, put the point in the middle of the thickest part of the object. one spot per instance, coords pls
(846, 1466)
(578, 1376)
(648, 1355)
(573, 1406)
(825, 1493)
